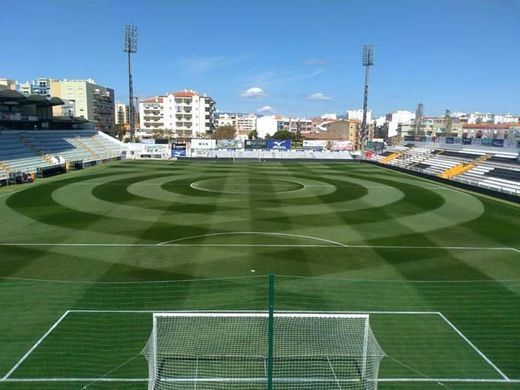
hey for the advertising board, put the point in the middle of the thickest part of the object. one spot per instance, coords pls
(279, 144)
(314, 145)
(202, 143)
(255, 144)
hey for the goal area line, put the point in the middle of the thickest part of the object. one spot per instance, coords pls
(210, 313)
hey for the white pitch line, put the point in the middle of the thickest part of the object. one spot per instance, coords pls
(332, 244)
(503, 248)
(449, 380)
(382, 380)
(474, 347)
(74, 380)
(35, 346)
(276, 234)
(129, 311)
(169, 245)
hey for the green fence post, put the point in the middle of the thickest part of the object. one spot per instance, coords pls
(270, 334)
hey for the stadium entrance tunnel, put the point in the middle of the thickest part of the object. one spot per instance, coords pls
(253, 239)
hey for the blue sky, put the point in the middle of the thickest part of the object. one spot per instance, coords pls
(297, 57)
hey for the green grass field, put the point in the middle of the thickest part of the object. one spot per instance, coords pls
(86, 258)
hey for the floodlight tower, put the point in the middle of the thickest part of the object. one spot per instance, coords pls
(130, 47)
(419, 118)
(367, 59)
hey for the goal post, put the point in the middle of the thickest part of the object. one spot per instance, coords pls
(229, 350)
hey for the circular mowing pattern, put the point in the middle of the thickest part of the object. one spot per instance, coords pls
(244, 185)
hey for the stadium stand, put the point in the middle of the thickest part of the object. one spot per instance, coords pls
(28, 151)
(495, 171)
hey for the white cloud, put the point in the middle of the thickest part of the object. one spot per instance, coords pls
(318, 96)
(265, 109)
(253, 92)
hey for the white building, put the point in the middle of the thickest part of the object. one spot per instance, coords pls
(266, 125)
(225, 119)
(396, 118)
(122, 114)
(185, 113)
(151, 112)
(357, 115)
(330, 117)
(40, 86)
(25, 89)
(380, 121)
(270, 124)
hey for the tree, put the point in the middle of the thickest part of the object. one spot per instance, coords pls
(224, 132)
(284, 134)
(120, 131)
(448, 122)
(253, 135)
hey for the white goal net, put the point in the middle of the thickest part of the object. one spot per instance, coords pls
(207, 350)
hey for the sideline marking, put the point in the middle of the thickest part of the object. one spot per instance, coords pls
(35, 346)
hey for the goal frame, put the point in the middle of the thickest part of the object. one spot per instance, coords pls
(242, 314)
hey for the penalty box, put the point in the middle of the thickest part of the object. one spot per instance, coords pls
(107, 345)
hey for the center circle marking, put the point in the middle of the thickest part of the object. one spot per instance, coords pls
(247, 185)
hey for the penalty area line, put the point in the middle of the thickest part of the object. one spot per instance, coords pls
(13, 369)
(331, 244)
(498, 370)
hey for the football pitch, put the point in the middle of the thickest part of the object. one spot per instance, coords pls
(88, 257)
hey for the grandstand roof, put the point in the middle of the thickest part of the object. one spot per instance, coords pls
(10, 95)
(56, 101)
(36, 99)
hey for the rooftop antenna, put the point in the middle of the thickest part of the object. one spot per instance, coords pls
(367, 59)
(130, 47)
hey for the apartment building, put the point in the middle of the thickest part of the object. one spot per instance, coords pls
(225, 119)
(243, 123)
(85, 98)
(185, 113)
(246, 123)
(7, 84)
(270, 124)
(122, 114)
(151, 112)
(40, 86)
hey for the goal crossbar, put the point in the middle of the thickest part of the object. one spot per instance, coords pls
(262, 314)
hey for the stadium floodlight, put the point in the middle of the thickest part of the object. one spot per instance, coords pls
(367, 58)
(130, 47)
(228, 350)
